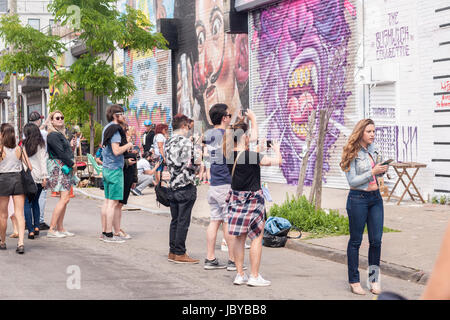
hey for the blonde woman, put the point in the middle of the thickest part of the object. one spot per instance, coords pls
(364, 202)
(60, 159)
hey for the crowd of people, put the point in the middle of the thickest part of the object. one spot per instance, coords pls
(230, 157)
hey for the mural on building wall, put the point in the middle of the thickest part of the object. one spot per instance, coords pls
(151, 74)
(211, 65)
(295, 43)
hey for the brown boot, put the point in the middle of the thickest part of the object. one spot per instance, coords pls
(184, 259)
(171, 257)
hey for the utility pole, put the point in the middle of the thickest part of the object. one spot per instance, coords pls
(13, 108)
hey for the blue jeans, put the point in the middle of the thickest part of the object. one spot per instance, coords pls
(364, 207)
(32, 211)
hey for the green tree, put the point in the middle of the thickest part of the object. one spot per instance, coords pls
(102, 28)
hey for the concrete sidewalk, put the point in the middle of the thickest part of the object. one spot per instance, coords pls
(409, 254)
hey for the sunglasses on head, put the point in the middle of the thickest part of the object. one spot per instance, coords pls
(229, 115)
(119, 113)
(59, 118)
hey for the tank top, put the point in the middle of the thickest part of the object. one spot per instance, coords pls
(10, 163)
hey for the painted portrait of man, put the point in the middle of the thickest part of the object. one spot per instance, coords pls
(214, 68)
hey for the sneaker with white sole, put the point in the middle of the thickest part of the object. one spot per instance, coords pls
(113, 239)
(213, 264)
(238, 280)
(55, 234)
(258, 282)
(67, 233)
(231, 266)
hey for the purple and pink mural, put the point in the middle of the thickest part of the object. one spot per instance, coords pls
(295, 44)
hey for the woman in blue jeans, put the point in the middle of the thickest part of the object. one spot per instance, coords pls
(361, 164)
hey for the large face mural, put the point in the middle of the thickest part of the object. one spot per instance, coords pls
(301, 50)
(212, 66)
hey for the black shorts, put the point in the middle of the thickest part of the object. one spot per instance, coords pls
(11, 184)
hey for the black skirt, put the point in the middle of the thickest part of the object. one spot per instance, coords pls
(11, 184)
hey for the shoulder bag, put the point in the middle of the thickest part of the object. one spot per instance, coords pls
(29, 186)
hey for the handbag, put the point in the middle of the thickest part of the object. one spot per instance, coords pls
(65, 168)
(29, 186)
(276, 232)
(162, 194)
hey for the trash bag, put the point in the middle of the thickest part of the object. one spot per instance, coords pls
(276, 232)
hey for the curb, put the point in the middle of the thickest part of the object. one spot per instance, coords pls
(339, 256)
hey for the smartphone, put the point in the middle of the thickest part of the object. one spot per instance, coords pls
(242, 113)
(269, 143)
(387, 162)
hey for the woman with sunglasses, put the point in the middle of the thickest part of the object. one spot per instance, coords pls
(61, 168)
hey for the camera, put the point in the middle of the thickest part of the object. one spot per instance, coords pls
(269, 143)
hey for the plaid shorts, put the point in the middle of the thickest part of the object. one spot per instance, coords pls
(245, 213)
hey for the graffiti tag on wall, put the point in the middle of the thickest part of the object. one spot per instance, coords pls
(295, 44)
(394, 41)
(444, 101)
(397, 142)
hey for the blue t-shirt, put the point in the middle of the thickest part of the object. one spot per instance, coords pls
(219, 170)
(110, 161)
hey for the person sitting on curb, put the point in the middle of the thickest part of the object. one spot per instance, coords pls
(146, 175)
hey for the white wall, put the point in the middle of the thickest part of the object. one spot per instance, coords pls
(409, 64)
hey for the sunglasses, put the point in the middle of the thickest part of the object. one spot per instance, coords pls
(59, 118)
(229, 115)
(119, 113)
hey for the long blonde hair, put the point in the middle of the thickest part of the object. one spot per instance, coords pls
(353, 145)
(50, 127)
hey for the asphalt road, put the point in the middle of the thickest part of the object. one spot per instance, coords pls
(82, 267)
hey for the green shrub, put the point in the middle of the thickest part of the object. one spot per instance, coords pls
(303, 215)
(443, 200)
(434, 200)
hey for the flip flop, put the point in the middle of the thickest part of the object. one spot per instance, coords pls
(14, 235)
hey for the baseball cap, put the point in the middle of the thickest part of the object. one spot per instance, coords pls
(34, 116)
(147, 123)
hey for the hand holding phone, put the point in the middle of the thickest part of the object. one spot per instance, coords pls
(385, 163)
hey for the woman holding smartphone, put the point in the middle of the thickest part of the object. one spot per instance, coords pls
(364, 202)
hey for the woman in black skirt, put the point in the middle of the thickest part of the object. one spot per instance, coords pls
(11, 159)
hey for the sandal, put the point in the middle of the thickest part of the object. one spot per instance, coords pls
(31, 235)
(20, 249)
(14, 235)
(36, 231)
(2, 246)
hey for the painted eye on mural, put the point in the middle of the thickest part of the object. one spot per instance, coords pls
(217, 27)
(201, 37)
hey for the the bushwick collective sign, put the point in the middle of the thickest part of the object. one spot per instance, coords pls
(393, 42)
(241, 5)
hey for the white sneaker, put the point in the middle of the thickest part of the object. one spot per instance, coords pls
(224, 246)
(113, 239)
(67, 233)
(258, 282)
(240, 279)
(55, 234)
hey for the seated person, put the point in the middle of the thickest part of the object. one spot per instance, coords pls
(146, 175)
(99, 156)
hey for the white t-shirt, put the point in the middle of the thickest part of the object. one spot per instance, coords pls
(143, 165)
(158, 138)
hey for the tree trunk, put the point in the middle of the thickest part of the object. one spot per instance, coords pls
(91, 133)
(319, 161)
(310, 132)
